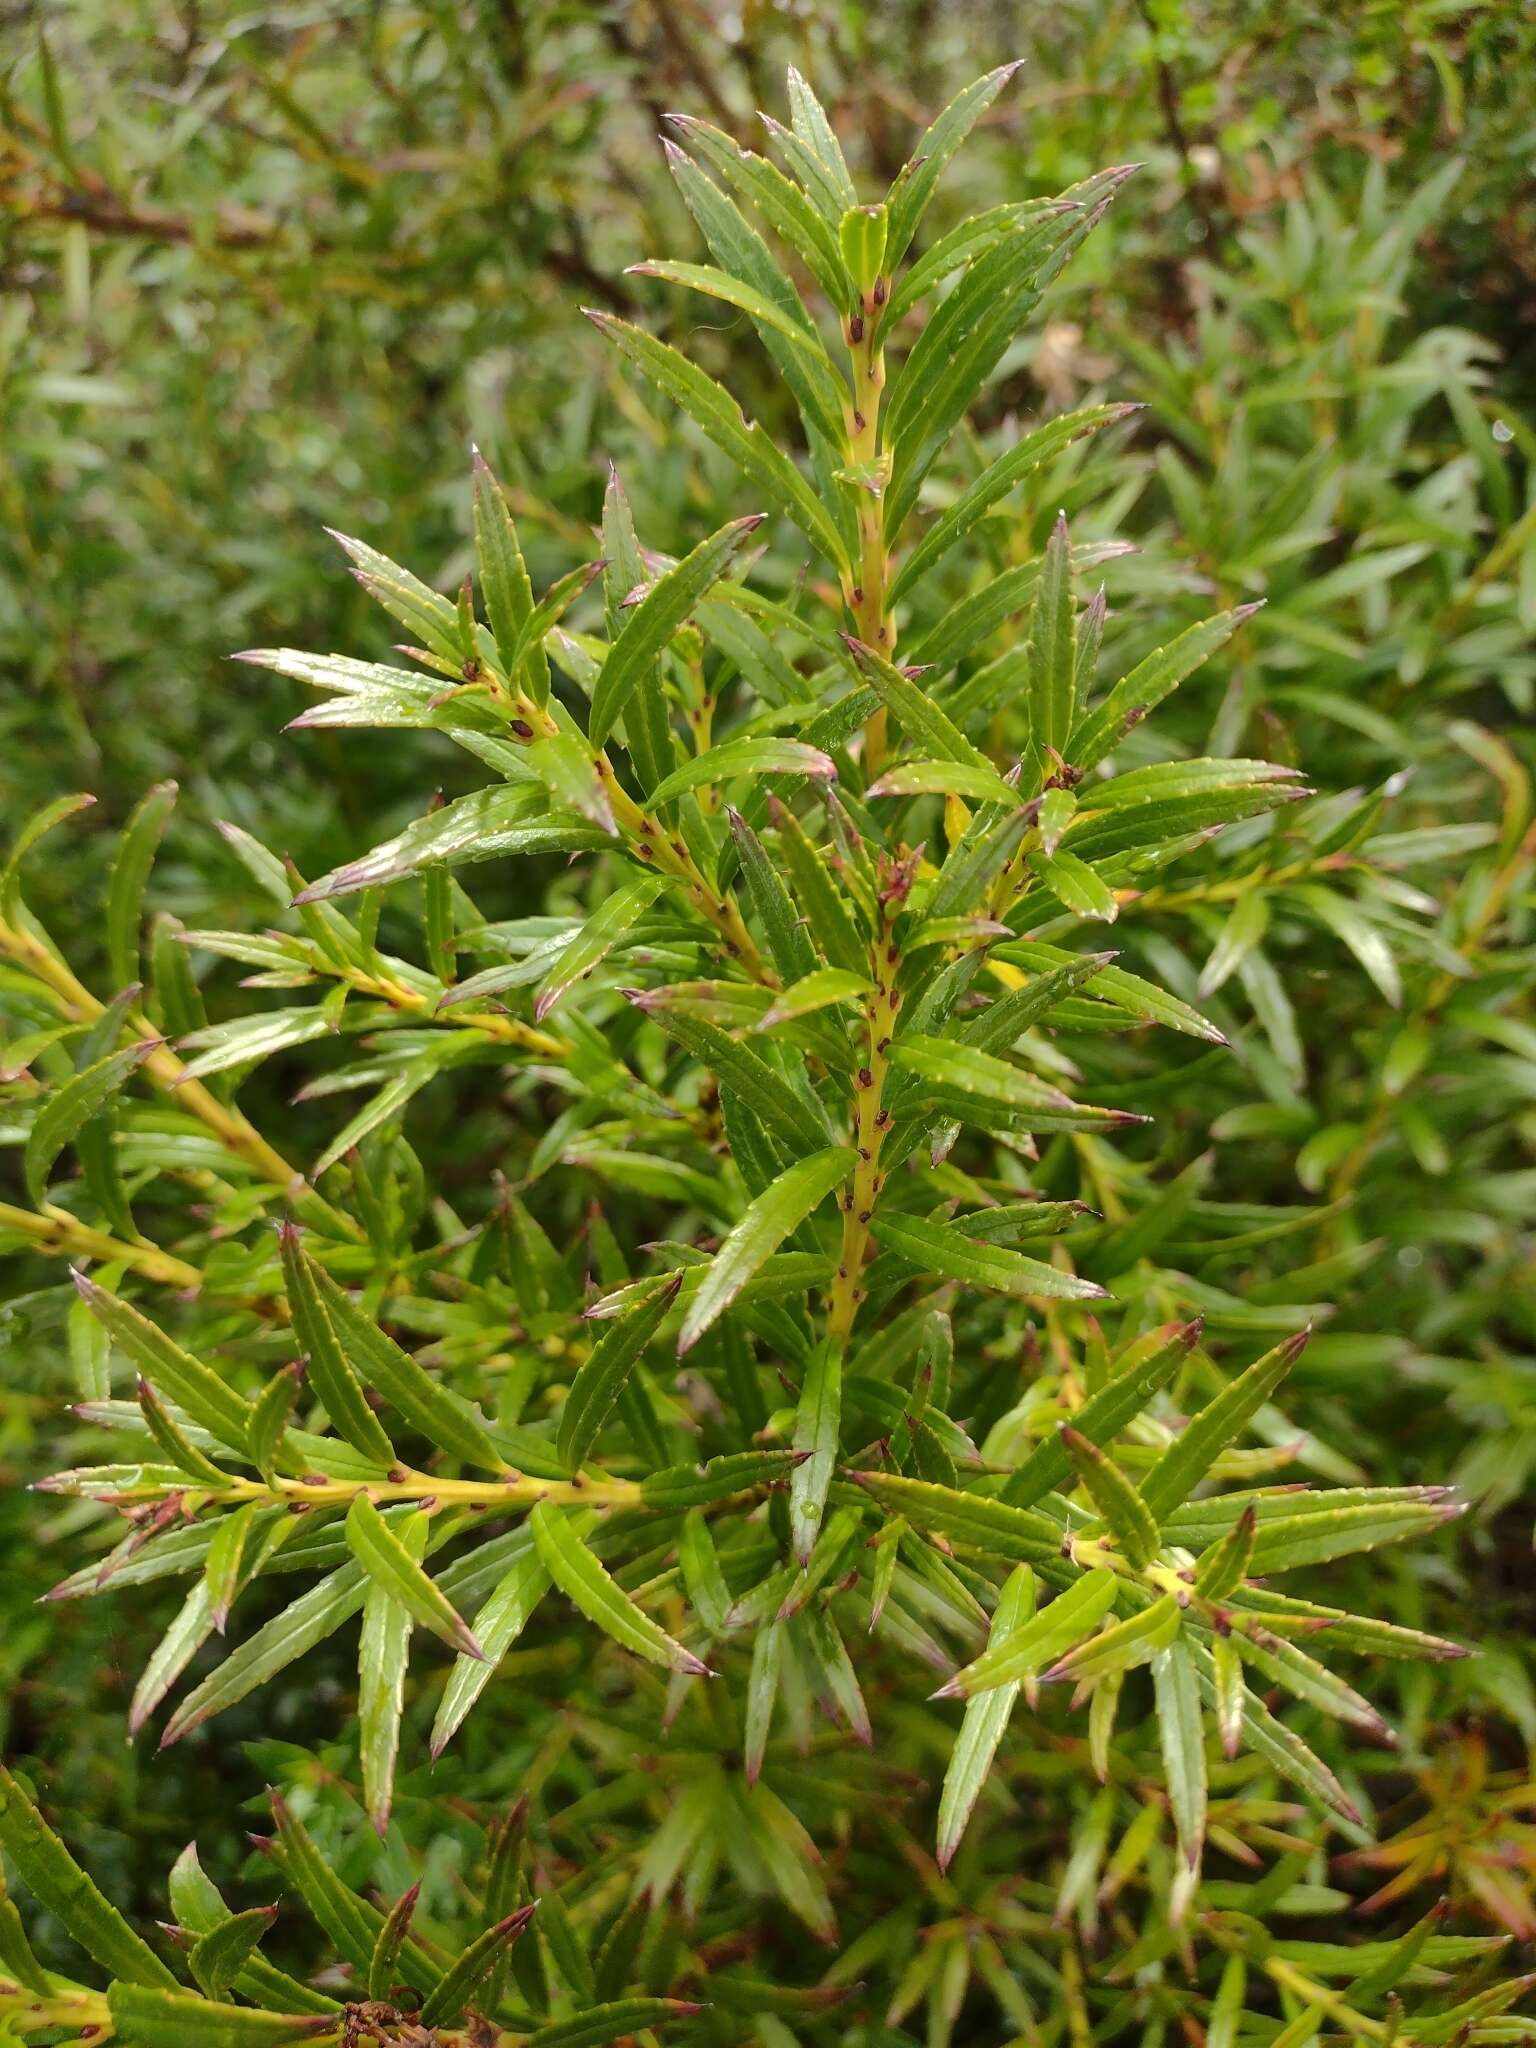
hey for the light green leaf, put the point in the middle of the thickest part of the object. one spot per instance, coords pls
(130, 873)
(945, 778)
(62, 1888)
(330, 1373)
(567, 767)
(67, 1109)
(650, 623)
(942, 1248)
(1182, 1735)
(172, 2018)
(719, 416)
(1051, 657)
(986, 1717)
(441, 1416)
(1125, 1513)
(391, 1567)
(818, 1418)
(1196, 1448)
(510, 819)
(1076, 885)
(183, 1379)
(589, 1587)
(793, 1196)
(504, 581)
(1036, 1644)
(608, 924)
(605, 1370)
(821, 989)
(999, 477)
(915, 711)
(734, 758)
(471, 1967)
(217, 1958)
(1100, 730)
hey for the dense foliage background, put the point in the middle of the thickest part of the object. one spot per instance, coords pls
(272, 268)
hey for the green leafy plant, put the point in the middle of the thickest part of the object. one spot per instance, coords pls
(818, 1325)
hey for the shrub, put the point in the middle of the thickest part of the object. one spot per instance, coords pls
(806, 1315)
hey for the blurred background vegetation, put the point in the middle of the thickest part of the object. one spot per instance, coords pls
(268, 268)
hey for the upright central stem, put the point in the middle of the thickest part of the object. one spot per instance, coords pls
(871, 1122)
(866, 597)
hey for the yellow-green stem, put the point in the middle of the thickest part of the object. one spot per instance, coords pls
(871, 1121)
(56, 1232)
(233, 1130)
(516, 1490)
(650, 839)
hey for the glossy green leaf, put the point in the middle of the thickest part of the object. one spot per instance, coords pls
(130, 874)
(943, 1249)
(390, 1566)
(57, 1882)
(67, 1110)
(590, 1588)
(606, 1368)
(721, 419)
(1037, 1643)
(986, 1719)
(794, 1195)
(651, 622)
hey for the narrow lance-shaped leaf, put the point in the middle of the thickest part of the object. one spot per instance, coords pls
(596, 2025)
(793, 955)
(733, 758)
(566, 765)
(217, 1957)
(818, 1417)
(130, 873)
(1124, 1511)
(604, 929)
(504, 581)
(37, 826)
(289, 1635)
(330, 1374)
(511, 819)
(69, 1108)
(1052, 652)
(914, 186)
(1037, 1643)
(58, 1883)
(652, 622)
(919, 717)
(1197, 1446)
(391, 1567)
(605, 1370)
(1010, 468)
(1182, 1735)
(762, 1694)
(383, 1651)
(1115, 1650)
(719, 416)
(990, 1526)
(194, 1388)
(944, 1249)
(161, 2017)
(798, 1191)
(590, 1588)
(386, 1950)
(1149, 1365)
(1144, 688)
(408, 1387)
(470, 1968)
(986, 1718)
